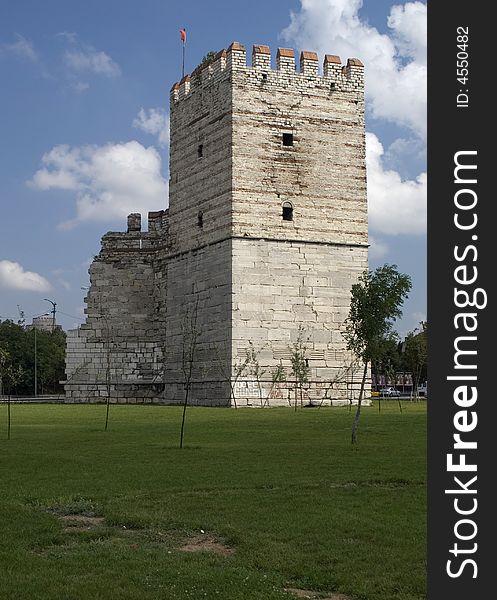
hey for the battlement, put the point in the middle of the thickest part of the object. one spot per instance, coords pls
(136, 240)
(335, 76)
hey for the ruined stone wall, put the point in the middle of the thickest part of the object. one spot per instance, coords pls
(120, 347)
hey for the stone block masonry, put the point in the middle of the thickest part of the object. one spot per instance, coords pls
(265, 233)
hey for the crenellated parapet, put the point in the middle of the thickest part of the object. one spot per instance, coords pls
(158, 222)
(334, 75)
(134, 240)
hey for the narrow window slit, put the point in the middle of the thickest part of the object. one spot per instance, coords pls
(287, 211)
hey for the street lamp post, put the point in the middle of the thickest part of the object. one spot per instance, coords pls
(36, 366)
(36, 356)
(54, 304)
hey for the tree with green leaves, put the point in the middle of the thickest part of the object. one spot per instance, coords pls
(207, 57)
(10, 377)
(278, 375)
(387, 360)
(20, 344)
(376, 302)
(416, 353)
(4, 362)
(255, 368)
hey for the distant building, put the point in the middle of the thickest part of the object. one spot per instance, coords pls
(43, 323)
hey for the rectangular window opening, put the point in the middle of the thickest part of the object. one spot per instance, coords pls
(288, 139)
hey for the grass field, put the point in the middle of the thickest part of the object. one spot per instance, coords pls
(258, 502)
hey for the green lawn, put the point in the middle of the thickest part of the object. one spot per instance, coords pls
(288, 500)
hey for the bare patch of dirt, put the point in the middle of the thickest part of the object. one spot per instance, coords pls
(81, 522)
(206, 543)
(316, 595)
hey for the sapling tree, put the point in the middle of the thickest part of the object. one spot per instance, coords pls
(300, 364)
(343, 375)
(231, 374)
(375, 303)
(107, 352)
(255, 368)
(190, 334)
(105, 326)
(278, 375)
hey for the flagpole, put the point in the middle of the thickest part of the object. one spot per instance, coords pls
(183, 39)
(183, 63)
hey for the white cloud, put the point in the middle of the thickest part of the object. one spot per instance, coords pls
(60, 278)
(406, 156)
(108, 181)
(154, 121)
(408, 23)
(80, 86)
(395, 206)
(395, 64)
(84, 57)
(377, 248)
(419, 316)
(22, 48)
(69, 36)
(14, 277)
(89, 59)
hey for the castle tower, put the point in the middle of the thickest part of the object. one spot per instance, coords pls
(265, 233)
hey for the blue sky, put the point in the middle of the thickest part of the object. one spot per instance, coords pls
(84, 126)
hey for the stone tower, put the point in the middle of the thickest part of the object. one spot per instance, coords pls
(265, 233)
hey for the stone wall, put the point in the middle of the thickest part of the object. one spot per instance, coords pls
(199, 298)
(283, 290)
(322, 174)
(200, 165)
(246, 142)
(120, 346)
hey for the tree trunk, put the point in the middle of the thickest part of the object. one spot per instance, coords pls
(107, 385)
(232, 391)
(187, 390)
(8, 417)
(359, 403)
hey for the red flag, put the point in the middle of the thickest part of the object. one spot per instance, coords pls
(182, 33)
